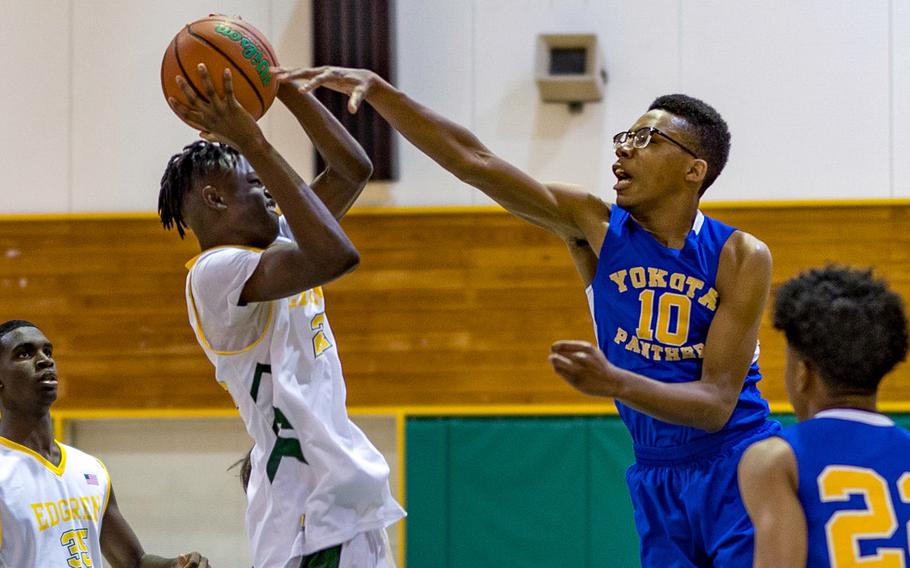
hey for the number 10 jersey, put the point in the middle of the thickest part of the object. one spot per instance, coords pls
(652, 308)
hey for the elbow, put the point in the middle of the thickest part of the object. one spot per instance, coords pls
(471, 169)
(351, 261)
(718, 416)
(361, 170)
(343, 262)
(355, 173)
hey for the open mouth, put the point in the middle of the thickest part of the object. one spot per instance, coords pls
(623, 179)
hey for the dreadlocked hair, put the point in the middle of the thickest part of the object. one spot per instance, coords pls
(200, 160)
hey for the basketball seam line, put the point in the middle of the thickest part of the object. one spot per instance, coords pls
(231, 59)
(186, 75)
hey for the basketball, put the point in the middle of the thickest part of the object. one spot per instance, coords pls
(222, 42)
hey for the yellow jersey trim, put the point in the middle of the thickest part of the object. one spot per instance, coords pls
(198, 322)
(192, 262)
(55, 469)
(107, 498)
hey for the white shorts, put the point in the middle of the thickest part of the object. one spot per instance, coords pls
(369, 549)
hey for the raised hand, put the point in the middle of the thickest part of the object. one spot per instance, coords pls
(357, 83)
(220, 118)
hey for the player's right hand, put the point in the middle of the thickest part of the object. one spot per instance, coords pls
(357, 83)
(192, 560)
(220, 118)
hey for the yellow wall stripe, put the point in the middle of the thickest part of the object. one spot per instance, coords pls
(62, 415)
(474, 209)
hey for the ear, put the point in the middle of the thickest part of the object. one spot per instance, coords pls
(806, 375)
(212, 198)
(697, 171)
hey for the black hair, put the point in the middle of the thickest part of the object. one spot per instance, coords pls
(11, 325)
(246, 469)
(200, 160)
(712, 137)
(846, 323)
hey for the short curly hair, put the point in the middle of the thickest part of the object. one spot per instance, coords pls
(712, 137)
(846, 322)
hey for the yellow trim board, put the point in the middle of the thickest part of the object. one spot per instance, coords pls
(807, 203)
(475, 209)
(61, 415)
(86, 216)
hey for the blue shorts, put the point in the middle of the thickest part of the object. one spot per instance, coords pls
(689, 513)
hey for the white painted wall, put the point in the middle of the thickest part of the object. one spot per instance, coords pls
(817, 92)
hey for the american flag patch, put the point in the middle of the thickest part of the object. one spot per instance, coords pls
(91, 478)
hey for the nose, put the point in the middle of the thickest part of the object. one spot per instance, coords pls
(624, 150)
(44, 361)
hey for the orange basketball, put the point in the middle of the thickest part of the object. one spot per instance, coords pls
(222, 42)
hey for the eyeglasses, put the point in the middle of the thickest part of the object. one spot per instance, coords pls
(642, 137)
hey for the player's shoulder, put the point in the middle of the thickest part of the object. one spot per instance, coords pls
(769, 455)
(81, 457)
(745, 247)
(744, 258)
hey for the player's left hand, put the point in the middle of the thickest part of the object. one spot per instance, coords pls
(356, 83)
(585, 367)
(191, 560)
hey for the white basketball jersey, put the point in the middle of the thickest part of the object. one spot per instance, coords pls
(51, 515)
(316, 480)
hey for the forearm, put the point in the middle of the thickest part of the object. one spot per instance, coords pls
(152, 561)
(461, 153)
(302, 209)
(341, 152)
(698, 404)
(449, 144)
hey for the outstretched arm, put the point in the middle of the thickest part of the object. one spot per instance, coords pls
(743, 283)
(768, 483)
(562, 209)
(122, 549)
(348, 167)
(283, 270)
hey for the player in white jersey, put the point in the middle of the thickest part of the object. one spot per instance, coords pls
(319, 490)
(57, 507)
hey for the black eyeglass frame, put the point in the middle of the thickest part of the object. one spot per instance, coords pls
(622, 137)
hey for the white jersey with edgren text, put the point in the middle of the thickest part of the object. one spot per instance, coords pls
(51, 515)
(316, 479)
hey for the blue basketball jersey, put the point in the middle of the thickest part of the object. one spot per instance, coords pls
(854, 485)
(652, 307)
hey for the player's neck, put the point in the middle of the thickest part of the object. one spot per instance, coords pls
(669, 223)
(847, 401)
(219, 239)
(36, 434)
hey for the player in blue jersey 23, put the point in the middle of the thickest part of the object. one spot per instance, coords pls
(677, 300)
(834, 490)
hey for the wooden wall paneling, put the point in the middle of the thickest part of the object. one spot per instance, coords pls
(450, 308)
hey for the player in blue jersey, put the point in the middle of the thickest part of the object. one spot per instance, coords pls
(677, 300)
(834, 490)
